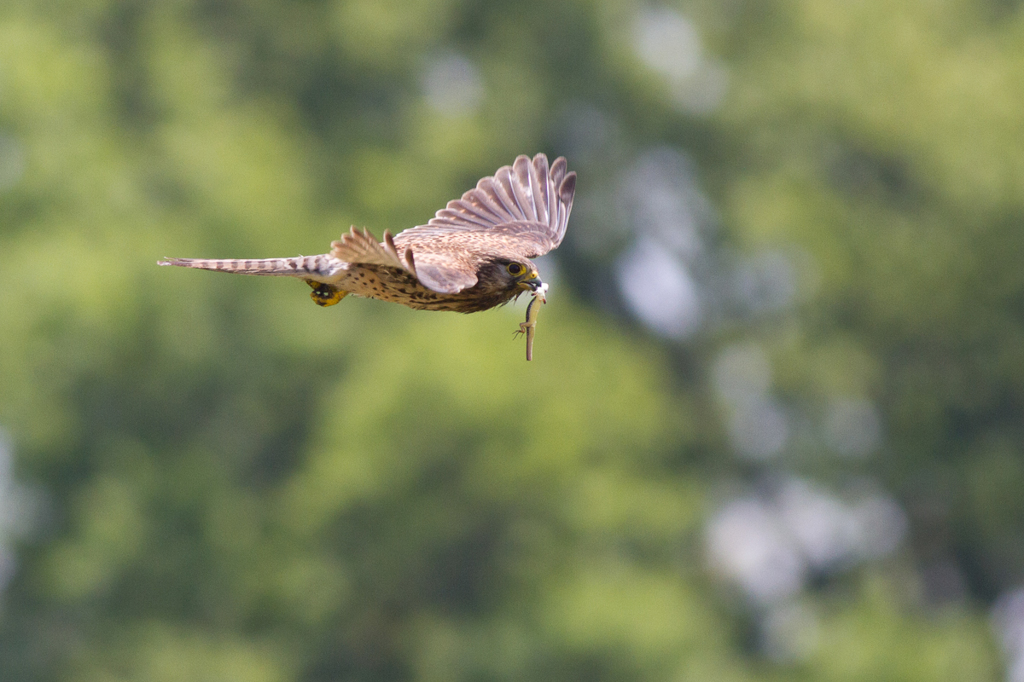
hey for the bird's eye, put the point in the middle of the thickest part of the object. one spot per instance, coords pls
(515, 269)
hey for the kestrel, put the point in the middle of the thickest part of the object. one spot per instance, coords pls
(474, 254)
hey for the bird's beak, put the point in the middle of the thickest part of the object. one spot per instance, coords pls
(533, 283)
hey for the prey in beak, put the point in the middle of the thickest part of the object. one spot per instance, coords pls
(539, 290)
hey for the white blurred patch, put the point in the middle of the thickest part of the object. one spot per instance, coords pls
(17, 510)
(658, 289)
(1008, 623)
(826, 529)
(668, 44)
(659, 201)
(747, 543)
(658, 196)
(852, 427)
(452, 85)
(769, 543)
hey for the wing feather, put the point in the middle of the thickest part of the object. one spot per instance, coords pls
(520, 211)
(522, 187)
(500, 193)
(541, 191)
(447, 216)
(478, 202)
(359, 246)
(529, 191)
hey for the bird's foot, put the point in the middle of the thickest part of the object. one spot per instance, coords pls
(324, 294)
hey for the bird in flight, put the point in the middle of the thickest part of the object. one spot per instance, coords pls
(474, 254)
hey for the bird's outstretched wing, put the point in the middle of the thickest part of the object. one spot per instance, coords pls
(521, 211)
(529, 195)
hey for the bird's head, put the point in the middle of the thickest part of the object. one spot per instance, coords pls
(514, 275)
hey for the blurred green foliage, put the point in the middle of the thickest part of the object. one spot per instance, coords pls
(233, 484)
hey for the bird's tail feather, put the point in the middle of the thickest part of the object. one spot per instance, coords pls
(306, 267)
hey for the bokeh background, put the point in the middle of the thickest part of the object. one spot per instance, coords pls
(774, 429)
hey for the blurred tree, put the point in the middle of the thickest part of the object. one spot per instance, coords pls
(231, 483)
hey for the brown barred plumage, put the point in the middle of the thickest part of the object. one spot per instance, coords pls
(473, 255)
